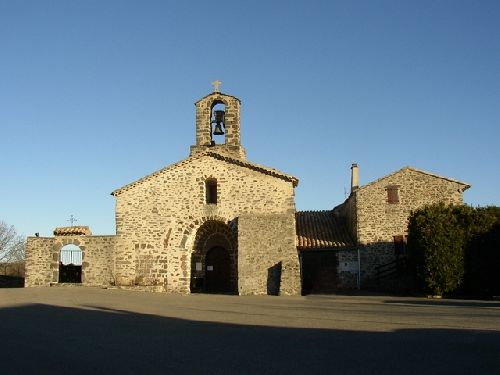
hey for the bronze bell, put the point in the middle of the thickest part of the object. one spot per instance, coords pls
(219, 122)
(218, 130)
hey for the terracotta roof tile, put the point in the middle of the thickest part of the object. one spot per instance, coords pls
(321, 230)
(72, 231)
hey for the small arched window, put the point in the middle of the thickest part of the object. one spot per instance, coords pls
(211, 191)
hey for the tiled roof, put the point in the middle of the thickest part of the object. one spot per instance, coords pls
(72, 231)
(321, 230)
(215, 155)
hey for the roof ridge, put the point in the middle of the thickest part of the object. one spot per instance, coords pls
(260, 168)
(415, 170)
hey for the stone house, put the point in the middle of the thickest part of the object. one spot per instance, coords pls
(368, 230)
(216, 222)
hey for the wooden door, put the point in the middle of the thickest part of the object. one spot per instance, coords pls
(217, 271)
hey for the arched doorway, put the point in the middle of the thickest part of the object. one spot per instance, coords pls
(70, 264)
(217, 271)
(214, 259)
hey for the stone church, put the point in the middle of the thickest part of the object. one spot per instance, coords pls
(218, 223)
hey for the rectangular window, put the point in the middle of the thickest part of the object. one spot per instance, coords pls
(392, 194)
(211, 191)
(400, 245)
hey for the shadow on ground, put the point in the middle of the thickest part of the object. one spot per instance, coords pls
(47, 339)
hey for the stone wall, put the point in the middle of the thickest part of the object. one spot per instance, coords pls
(157, 218)
(348, 210)
(267, 260)
(38, 261)
(98, 262)
(43, 256)
(378, 221)
(347, 271)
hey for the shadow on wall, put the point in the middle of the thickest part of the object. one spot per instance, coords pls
(274, 279)
(11, 282)
(51, 339)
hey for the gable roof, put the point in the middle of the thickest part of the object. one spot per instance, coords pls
(408, 168)
(321, 230)
(242, 163)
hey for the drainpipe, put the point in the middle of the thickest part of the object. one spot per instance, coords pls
(359, 270)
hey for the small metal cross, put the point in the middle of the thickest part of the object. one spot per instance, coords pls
(216, 85)
(72, 219)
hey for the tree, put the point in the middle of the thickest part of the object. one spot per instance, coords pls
(12, 245)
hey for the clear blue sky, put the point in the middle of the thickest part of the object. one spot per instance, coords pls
(96, 94)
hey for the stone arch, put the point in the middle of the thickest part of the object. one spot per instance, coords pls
(70, 263)
(60, 242)
(218, 105)
(214, 234)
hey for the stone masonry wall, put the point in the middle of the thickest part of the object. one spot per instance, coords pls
(348, 210)
(378, 221)
(98, 263)
(158, 217)
(43, 255)
(38, 261)
(347, 269)
(267, 260)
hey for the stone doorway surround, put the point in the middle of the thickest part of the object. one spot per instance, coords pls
(214, 259)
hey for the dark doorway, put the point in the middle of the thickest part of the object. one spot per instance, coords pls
(319, 272)
(217, 271)
(70, 264)
(70, 273)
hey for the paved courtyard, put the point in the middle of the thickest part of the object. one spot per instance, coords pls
(88, 330)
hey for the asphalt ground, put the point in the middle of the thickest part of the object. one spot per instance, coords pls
(78, 330)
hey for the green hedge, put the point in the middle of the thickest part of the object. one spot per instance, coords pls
(455, 249)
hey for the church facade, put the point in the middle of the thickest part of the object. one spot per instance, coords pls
(212, 222)
(218, 223)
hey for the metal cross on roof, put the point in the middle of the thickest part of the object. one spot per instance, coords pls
(216, 85)
(72, 219)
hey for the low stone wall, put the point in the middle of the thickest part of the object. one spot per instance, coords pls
(43, 256)
(38, 261)
(97, 267)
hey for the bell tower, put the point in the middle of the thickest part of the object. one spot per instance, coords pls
(218, 125)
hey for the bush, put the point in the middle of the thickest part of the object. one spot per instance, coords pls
(436, 241)
(482, 254)
(452, 247)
